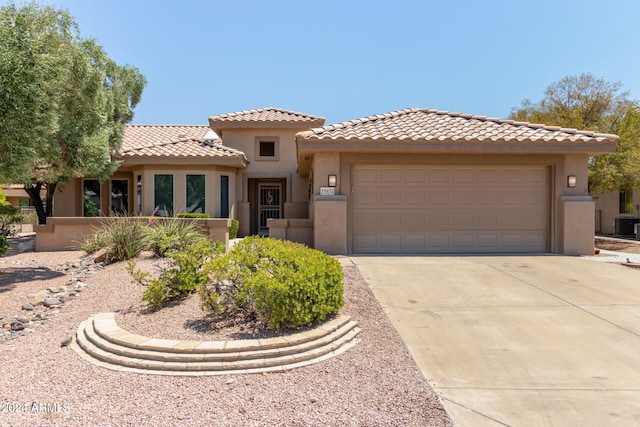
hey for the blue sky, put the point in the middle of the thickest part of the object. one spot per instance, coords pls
(349, 59)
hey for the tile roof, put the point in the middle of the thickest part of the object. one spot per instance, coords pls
(433, 125)
(184, 148)
(139, 136)
(174, 141)
(263, 116)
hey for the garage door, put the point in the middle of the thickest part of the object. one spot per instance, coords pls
(427, 209)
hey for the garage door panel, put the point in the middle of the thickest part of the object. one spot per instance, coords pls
(391, 176)
(462, 198)
(485, 220)
(489, 175)
(463, 176)
(365, 198)
(417, 176)
(423, 209)
(437, 198)
(489, 198)
(435, 175)
(413, 198)
(393, 198)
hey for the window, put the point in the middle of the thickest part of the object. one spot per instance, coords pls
(626, 202)
(120, 196)
(195, 193)
(90, 197)
(139, 194)
(224, 196)
(163, 194)
(267, 148)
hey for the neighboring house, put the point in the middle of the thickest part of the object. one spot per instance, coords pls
(16, 195)
(617, 212)
(410, 181)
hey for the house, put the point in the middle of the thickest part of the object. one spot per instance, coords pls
(617, 212)
(409, 181)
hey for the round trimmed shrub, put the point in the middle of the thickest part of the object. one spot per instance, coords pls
(280, 283)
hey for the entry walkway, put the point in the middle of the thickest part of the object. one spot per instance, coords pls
(518, 340)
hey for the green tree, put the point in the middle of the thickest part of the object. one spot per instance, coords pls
(588, 103)
(63, 102)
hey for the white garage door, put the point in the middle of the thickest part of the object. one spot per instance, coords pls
(428, 209)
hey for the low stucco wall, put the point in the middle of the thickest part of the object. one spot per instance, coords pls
(295, 230)
(66, 233)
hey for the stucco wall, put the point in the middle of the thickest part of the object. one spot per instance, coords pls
(61, 234)
(571, 223)
(607, 206)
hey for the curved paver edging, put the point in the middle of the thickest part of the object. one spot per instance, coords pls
(101, 341)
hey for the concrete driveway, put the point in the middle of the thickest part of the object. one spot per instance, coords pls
(518, 340)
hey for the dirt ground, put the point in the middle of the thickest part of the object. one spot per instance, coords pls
(630, 247)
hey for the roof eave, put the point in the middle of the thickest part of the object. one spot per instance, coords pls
(233, 161)
(220, 125)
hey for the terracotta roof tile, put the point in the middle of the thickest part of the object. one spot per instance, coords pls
(184, 148)
(264, 116)
(174, 141)
(434, 125)
(139, 136)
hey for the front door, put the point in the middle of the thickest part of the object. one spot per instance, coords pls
(269, 204)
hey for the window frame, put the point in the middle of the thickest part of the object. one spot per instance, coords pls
(204, 194)
(625, 202)
(170, 213)
(99, 195)
(267, 139)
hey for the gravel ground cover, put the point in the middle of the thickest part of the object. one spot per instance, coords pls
(375, 383)
(618, 246)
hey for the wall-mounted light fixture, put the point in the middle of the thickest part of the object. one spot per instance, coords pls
(571, 181)
(333, 180)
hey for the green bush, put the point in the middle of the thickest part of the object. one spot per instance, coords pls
(185, 276)
(4, 244)
(9, 217)
(192, 215)
(280, 283)
(96, 241)
(124, 238)
(169, 234)
(233, 230)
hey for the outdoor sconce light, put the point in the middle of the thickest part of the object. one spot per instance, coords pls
(571, 181)
(333, 180)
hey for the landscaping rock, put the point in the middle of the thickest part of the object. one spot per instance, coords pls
(52, 302)
(28, 306)
(99, 256)
(24, 320)
(38, 298)
(17, 326)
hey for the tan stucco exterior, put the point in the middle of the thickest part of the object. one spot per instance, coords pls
(278, 164)
(607, 206)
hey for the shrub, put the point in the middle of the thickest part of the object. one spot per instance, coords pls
(96, 241)
(125, 238)
(192, 215)
(233, 230)
(280, 283)
(4, 244)
(185, 276)
(170, 234)
(9, 217)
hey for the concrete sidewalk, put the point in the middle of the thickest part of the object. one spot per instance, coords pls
(518, 340)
